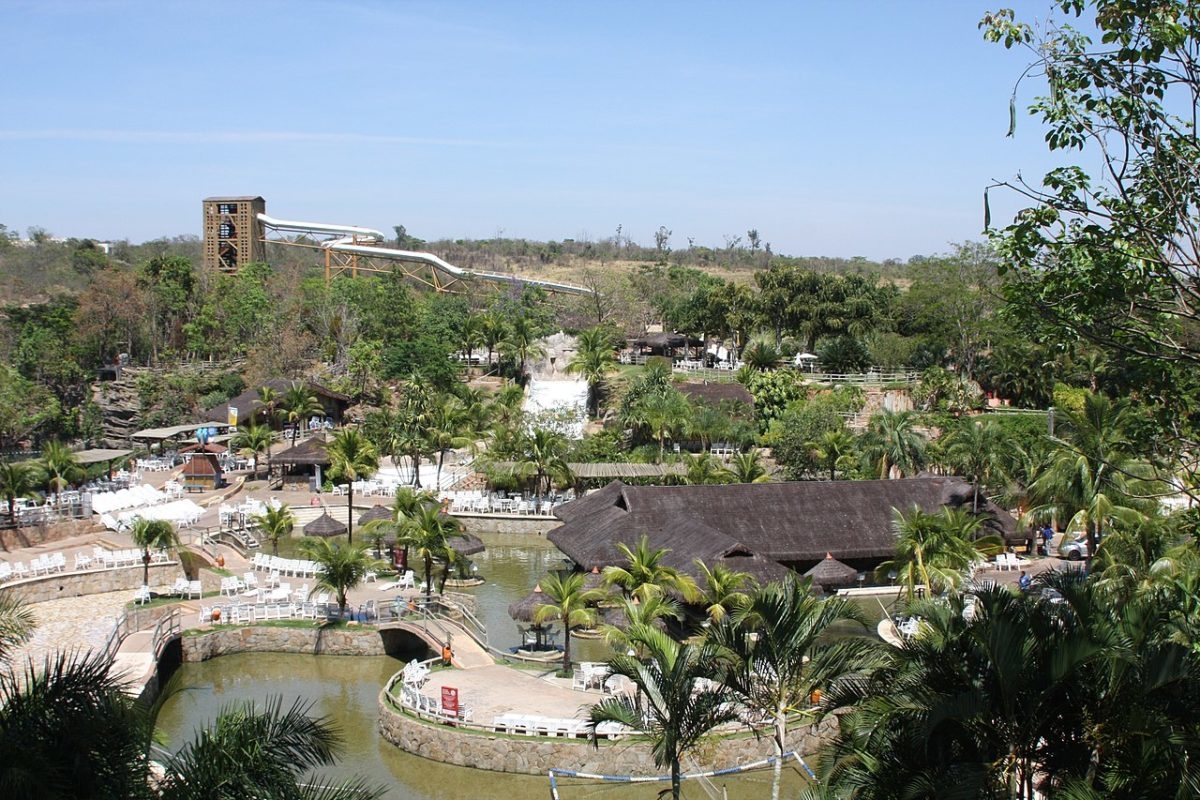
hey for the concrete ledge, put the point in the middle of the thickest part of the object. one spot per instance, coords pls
(505, 523)
(535, 755)
(91, 581)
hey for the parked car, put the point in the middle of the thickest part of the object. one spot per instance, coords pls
(1074, 549)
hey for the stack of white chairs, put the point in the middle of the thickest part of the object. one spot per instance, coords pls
(82, 561)
(232, 587)
(291, 567)
(415, 674)
(195, 588)
(180, 587)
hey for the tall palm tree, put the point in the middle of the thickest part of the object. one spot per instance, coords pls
(343, 566)
(594, 359)
(933, 550)
(275, 524)
(352, 457)
(704, 469)
(1094, 477)
(544, 456)
(722, 590)
(892, 444)
(252, 440)
(449, 427)
(18, 479)
(61, 466)
(673, 707)
(493, 327)
(782, 653)
(978, 451)
(299, 403)
(630, 612)
(663, 414)
(16, 623)
(271, 403)
(412, 420)
(747, 468)
(645, 574)
(834, 449)
(157, 534)
(571, 604)
(428, 535)
(470, 336)
(520, 341)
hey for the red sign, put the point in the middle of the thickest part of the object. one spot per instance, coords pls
(450, 701)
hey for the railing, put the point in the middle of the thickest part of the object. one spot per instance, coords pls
(120, 631)
(460, 616)
(167, 628)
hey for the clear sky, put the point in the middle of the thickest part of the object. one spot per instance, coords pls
(834, 128)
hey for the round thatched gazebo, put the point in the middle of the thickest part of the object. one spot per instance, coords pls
(377, 514)
(324, 526)
(525, 610)
(829, 573)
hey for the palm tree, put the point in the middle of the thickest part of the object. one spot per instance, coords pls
(663, 414)
(16, 623)
(271, 402)
(470, 336)
(978, 451)
(571, 604)
(892, 444)
(933, 550)
(18, 479)
(722, 590)
(352, 457)
(493, 327)
(594, 359)
(673, 707)
(157, 534)
(449, 427)
(299, 404)
(253, 439)
(544, 456)
(834, 449)
(61, 466)
(343, 567)
(413, 416)
(1093, 477)
(645, 575)
(704, 469)
(520, 341)
(747, 468)
(275, 524)
(782, 653)
(428, 534)
(633, 611)
(270, 752)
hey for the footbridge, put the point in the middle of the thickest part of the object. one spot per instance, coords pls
(354, 249)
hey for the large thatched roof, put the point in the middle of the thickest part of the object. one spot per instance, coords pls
(248, 404)
(753, 527)
(829, 572)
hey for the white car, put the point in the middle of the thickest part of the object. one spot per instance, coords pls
(1074, 549)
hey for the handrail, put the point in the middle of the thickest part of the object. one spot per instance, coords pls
(160, 637)
(119, 633)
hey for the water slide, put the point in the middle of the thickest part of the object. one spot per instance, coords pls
(367, 242)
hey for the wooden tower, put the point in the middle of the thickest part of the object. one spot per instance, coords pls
(233, 234)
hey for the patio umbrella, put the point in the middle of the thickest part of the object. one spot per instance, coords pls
(830, 572)
(526, 608)
(324, 525)
(381, 513)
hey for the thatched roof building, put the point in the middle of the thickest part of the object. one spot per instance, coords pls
(248, 405)
(756, 528)
(324, 525)
(310, 452)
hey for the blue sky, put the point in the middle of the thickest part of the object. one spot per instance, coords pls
(833, 128)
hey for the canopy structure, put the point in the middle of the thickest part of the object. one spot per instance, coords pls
(467, 545)
(173, 432)
(99, 456)
(525, 610)
(377, 513)
(830, 573)
(324, 525)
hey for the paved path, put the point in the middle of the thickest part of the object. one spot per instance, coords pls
(72, 623)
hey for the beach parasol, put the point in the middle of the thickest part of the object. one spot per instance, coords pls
(377, 513)
(829, 572)
(324, 525)
(525, 610)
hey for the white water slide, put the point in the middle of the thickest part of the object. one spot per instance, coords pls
(366, 242)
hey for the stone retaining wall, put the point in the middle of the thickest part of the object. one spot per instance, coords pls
(483, 523)
(271, 639)
(92, 581)
(535, 755)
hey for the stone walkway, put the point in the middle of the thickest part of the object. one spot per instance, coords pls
(72, 623)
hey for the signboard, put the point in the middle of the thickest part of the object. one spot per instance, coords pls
(450, 701)
(233, 412)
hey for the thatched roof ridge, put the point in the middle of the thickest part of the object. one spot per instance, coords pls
(782, 522)
(324, 525)
(311, 451)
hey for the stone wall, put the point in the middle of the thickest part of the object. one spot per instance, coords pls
(535, 755)
(92, 581)
(317, 640)
(483, 523)
(42, 533)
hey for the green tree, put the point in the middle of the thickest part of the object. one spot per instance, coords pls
(673, 708)
(646, 574)
(722, 590)
(352, 457)
(542, 455)
(18, 479)
(834, 449)
(980, 451)
(783, 653)
(299, 404)
(60, 465)
(747, 468)
(343, 566)
(276, 524)
(892, 444)
(148, 534)
(252, 440)
(428, 534)
(932, 550)
(571, 604)
(594, 359)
